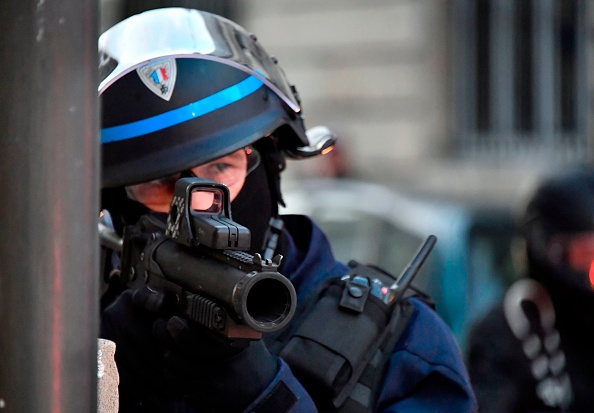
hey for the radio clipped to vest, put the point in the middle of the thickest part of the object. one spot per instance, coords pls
(345, 333)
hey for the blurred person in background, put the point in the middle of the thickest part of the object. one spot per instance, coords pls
(533, 351)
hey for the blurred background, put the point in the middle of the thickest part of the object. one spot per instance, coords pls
(447, 111)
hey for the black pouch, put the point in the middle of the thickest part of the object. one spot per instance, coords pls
(343, 330)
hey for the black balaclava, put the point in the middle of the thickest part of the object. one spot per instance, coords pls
(123, 210)
(258, 200)
(253, 207)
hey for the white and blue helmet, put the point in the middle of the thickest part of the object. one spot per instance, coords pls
(180, 87)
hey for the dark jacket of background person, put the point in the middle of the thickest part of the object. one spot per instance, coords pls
(533, 351)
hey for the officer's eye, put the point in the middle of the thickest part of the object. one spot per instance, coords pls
(220, 167)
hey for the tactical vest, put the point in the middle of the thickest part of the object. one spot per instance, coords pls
(341, 338)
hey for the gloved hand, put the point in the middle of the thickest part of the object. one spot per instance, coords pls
(162, 358)
(128, 322)
(214, 374)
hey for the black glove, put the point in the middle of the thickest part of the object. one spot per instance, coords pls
(139, 357)
(213, 373)
(170, 358)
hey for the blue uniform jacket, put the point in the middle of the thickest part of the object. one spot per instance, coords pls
(426, 372)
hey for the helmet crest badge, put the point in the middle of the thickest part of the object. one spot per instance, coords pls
(159, 76)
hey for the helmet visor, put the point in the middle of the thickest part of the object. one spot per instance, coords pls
(187, 33)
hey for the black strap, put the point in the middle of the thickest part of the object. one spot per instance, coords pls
(281, 399)
(361, 392)
(276, 340)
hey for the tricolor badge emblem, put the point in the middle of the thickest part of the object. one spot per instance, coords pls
(159, 77)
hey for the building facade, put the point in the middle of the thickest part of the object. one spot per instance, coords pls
(471, 99)
(464, 98)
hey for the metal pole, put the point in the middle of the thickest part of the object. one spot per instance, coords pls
(49, 180)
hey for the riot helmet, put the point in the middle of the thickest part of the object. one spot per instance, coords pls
(558, 229)
(181, 87)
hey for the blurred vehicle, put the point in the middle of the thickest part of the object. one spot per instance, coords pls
(469, 267)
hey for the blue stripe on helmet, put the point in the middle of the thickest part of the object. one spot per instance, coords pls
(185, 113)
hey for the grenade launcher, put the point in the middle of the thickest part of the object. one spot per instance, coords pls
(199, 256)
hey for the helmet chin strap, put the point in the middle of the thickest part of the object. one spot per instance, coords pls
(275, 228)
(274, 162)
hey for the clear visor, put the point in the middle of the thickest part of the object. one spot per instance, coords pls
(229, 169)
(186, 33)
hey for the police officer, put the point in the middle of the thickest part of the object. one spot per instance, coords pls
(188, 93)
(531, 352)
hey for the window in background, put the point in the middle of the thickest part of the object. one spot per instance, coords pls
(520, 79)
